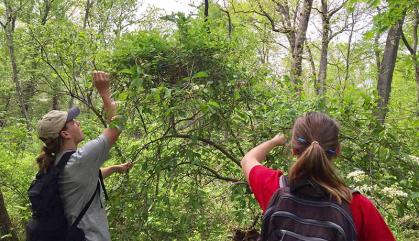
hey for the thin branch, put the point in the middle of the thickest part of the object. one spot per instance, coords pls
(142, 119)
(406, 43)
(45, 58)
(217, 175)
(318, 10)
(265, 14)
(190, 137)
(331, 13)
(311, 60)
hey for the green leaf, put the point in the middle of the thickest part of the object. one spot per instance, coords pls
(136, 83)
(123, 96)
(369, 35)
(214, 104)
(126, 71)
(236, 95)
(200, 74)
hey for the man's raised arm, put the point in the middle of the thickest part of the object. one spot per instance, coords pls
(102, 83)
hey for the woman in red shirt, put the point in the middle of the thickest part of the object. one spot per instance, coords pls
(315, 144)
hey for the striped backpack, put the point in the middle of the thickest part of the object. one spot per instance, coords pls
(304, 211)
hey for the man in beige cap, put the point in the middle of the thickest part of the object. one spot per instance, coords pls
(61, 133)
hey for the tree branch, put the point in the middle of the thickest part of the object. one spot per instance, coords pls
(331, 13)
(406, 43)
(217, 175)
(190, 137)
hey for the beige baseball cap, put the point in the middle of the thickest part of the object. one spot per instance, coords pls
(53, 122)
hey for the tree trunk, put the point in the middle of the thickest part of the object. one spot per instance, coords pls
(5, 224)
(387, 69)
(414, 55)
(417, 83)
(295, 31)
(348, 50)
(377, 50)
(230, 24)
(55, 102)
(377, 54)
(297, 54)
(413, 52)
(87, 12)
(206, 7)
(320, 87)
(327, 36)
(47, 9)
(312, 66)
(9, 29)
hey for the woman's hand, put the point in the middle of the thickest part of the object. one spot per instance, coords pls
(279, 140)
(123, 168)
(258, 154)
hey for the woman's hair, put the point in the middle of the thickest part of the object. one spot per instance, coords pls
(49, 152)
(315, 142)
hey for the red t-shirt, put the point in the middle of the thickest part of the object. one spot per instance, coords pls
(370, 225)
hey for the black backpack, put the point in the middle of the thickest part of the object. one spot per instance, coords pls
(48, 222)
(304, 211)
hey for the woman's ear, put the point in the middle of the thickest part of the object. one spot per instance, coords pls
(65, 134)
(338, 150)
(293, 151)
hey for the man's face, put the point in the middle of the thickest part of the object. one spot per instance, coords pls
(73, 131)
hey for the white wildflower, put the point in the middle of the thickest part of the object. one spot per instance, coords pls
(357, 175)
(393, 192)
(414, 159)
(364, 188)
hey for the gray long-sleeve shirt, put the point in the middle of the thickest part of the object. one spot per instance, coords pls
(78, 182)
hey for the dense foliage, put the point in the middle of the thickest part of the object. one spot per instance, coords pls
(194, 94)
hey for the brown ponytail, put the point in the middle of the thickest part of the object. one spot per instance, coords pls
(315, 142)
(48, 153)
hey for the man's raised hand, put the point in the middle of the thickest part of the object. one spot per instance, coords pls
(101, 81)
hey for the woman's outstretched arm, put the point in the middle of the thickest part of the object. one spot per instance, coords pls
(258, 154)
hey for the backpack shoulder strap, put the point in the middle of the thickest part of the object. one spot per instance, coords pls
(64, 159)
(282, 189)
(273, 203)
(86, 207)
(99, 183)
(283, 181)
(102, 183)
